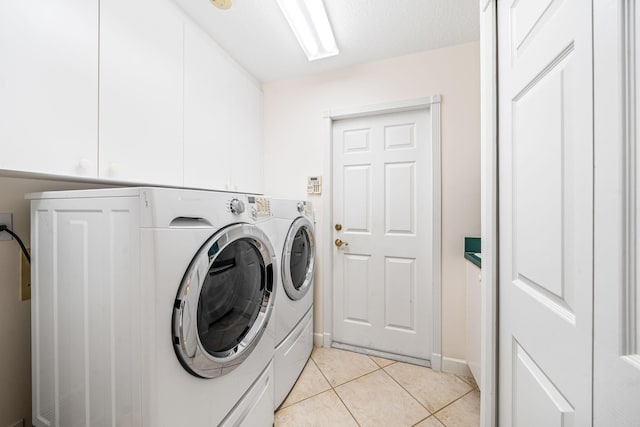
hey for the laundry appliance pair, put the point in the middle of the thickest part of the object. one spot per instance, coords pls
(155, 307)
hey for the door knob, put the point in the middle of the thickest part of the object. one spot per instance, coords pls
(339, 243)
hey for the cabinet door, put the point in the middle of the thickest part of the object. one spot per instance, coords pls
(474, 295)
(246, 173)
(141, 46)
(223, 119)
(49, 86)
(207, 140)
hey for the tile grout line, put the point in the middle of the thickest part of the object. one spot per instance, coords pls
(355, 378)
(463, 378)
(331, 387)
(336, 393)
(313, 395)
(378, 367)
(410, 394)
(451, 403)
(346, 407)
(425, 419)
(433, 414)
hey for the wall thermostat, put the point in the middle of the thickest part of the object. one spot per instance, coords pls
(314, 185)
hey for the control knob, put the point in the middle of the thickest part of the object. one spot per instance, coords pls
(236, 206)
(300, 207)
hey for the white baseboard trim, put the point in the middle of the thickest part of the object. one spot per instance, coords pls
(456, 366)
(318, 339)
(326, 340)
(436, 361)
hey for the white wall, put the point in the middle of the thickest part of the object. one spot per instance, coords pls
(294, 135)
(15, 315)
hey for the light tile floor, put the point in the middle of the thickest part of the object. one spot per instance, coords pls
(341, 388)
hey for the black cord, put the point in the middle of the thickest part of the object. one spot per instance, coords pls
(24, 249)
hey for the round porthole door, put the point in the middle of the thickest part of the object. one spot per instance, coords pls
(298, 259)
(224, 302)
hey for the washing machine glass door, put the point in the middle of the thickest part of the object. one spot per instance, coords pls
(224, 302)
(298, 259)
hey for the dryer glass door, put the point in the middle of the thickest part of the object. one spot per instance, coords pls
(231, 296)
(298, 259)
(224, 301)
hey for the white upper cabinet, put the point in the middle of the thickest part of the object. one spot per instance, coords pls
(141, 88)
(207, 154)
(49, 86)
(125, 90)
(222, 119)
(246, 174)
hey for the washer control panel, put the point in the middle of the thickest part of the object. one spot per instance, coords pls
(236, 206)
(259, 207)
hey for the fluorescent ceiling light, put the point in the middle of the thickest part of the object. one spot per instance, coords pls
(309, 22)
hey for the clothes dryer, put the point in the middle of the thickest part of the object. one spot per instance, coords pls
(151, 307)
(295, 245)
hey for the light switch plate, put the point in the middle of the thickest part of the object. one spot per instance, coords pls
(6, 219)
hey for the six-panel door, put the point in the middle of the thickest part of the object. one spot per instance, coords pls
(383, 198)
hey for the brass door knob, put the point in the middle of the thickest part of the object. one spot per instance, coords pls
(339, 243)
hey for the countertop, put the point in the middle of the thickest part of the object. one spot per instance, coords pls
(472, 250)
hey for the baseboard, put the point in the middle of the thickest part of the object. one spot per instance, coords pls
(456, 366)
(436, 361)
(318, 339)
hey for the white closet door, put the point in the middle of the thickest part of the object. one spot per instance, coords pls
(617, 214)
(546, 212)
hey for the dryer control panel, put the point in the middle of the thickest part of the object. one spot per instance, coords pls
(259, 207)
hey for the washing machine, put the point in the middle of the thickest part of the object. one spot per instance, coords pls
(151, 307)
(293, 312)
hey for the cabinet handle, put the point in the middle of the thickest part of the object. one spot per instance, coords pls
(84, 165)
(114, 168)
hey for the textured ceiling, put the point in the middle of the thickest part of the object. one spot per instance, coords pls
(256, 34)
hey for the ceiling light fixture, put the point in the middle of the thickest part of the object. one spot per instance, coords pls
(309, 22)
(222, 4)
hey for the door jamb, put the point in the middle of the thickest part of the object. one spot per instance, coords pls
(432, 103)
(489, 212)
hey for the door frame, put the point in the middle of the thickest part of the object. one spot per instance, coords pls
(489, 212)
(432, 103)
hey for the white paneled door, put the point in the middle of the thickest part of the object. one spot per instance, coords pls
(616, 394)
(546, 212)
(383, 219)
